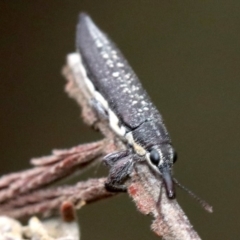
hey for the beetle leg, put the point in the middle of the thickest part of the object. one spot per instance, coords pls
(119, 172)
(99, 109)
(110, 159)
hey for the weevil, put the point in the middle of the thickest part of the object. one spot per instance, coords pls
(118, 96)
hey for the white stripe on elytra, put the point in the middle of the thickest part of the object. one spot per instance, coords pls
(75, 61)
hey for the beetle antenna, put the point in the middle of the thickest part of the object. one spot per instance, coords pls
(202, 202)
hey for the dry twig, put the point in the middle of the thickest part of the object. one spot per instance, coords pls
(47, 201)
(50, 169)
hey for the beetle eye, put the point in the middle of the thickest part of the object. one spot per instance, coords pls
(154, 156)
(174, 157)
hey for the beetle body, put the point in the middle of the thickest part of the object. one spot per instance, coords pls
(119, 95)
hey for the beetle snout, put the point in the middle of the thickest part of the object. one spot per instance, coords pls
(169, 184)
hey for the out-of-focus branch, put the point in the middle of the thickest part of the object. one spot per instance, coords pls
(47, 201)
(64, 227)
(49, 169)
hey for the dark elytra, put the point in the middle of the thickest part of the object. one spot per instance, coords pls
(114, 79)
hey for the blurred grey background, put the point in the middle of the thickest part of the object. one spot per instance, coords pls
(186, 54)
